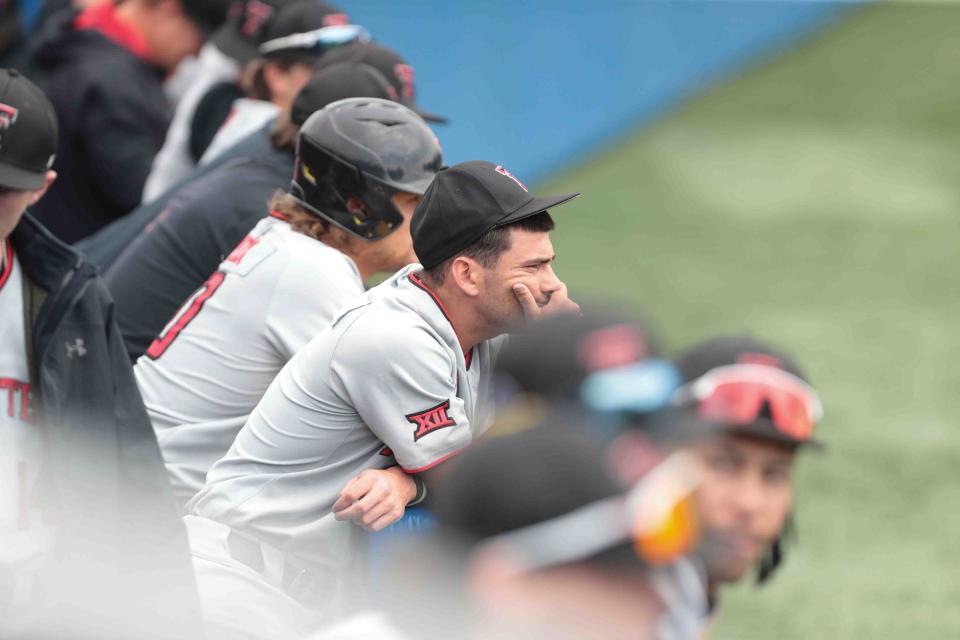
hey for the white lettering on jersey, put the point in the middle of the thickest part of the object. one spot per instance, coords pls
(23, 534)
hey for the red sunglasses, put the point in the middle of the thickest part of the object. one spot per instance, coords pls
(737, 395)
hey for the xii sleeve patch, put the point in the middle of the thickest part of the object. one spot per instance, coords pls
(431, 420)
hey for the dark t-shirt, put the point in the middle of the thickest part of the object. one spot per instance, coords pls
(188, 240)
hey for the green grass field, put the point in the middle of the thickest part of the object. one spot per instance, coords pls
(815, 201)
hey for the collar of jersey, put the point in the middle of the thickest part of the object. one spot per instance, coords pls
(413, 276)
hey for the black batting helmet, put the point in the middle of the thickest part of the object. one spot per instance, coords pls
(354, 154)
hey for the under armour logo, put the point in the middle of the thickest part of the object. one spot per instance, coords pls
(430, 420)
(78, 348)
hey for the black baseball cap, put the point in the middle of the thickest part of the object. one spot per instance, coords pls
(393, 67)
(465, 201)
(338, 82)
(208, 15)
(28, 132)
(251, 23)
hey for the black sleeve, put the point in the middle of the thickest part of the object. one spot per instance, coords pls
(121, 135)
(189, 240)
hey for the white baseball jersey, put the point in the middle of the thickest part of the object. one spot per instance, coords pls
(24, 536)
(387, 383)
(204, 374)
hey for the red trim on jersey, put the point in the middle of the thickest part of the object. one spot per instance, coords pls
(279, 216)
(241, 249)
(433, 464)
(7, 263)
(417, 282)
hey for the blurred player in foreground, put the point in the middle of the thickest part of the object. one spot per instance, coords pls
(346, 218)
(536, 539)
(766, 413)
(90, 545)
(402, 377)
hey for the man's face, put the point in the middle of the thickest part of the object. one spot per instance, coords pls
(743, 501)
(12, 205)
(171, 34)
(528, 261)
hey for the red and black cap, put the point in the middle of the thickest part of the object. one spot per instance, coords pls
(28, 132)
(338, 82)
(467, 200)
(253, 22)
(751, 388)
(393, 67)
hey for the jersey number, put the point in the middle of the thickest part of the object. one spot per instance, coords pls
(186, 314)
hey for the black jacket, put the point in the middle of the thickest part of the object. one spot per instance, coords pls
(197, 229)
(113, 117)
(121, 547)
(106, 245)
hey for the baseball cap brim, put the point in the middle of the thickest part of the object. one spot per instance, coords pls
(229, 40)
(429, 116)
(535, 206)
(764, 429)
(13, 177)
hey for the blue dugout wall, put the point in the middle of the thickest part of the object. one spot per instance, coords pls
(537, 85)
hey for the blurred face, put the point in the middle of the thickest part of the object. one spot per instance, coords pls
(529, 261)
(12, 205)
(396, 250)
(13, 202)
(743, 501)
(171, 35)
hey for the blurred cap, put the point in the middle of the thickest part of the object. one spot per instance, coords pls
(338, 82)
(554, 357)
(507, 483)
(465, 201)
(208, 15)
(28, 132)
(392, 66)
(728, 350)
(546, 496)
(308, 29)
(251, 23)
(718, 357)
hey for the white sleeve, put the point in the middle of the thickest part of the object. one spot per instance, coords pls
(305, 301)
(173, 162)
(402, 383)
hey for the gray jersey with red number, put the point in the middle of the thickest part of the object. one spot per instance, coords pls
(386, 384)
(204, 374)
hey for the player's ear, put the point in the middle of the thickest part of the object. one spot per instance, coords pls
(47, 181)
(465, 272)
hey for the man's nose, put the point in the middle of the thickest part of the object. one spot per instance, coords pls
(551, 283)
(749, 495)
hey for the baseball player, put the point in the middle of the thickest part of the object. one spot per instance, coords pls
(346, 217)
(765, 413)
(402, 377)
(91, 545)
